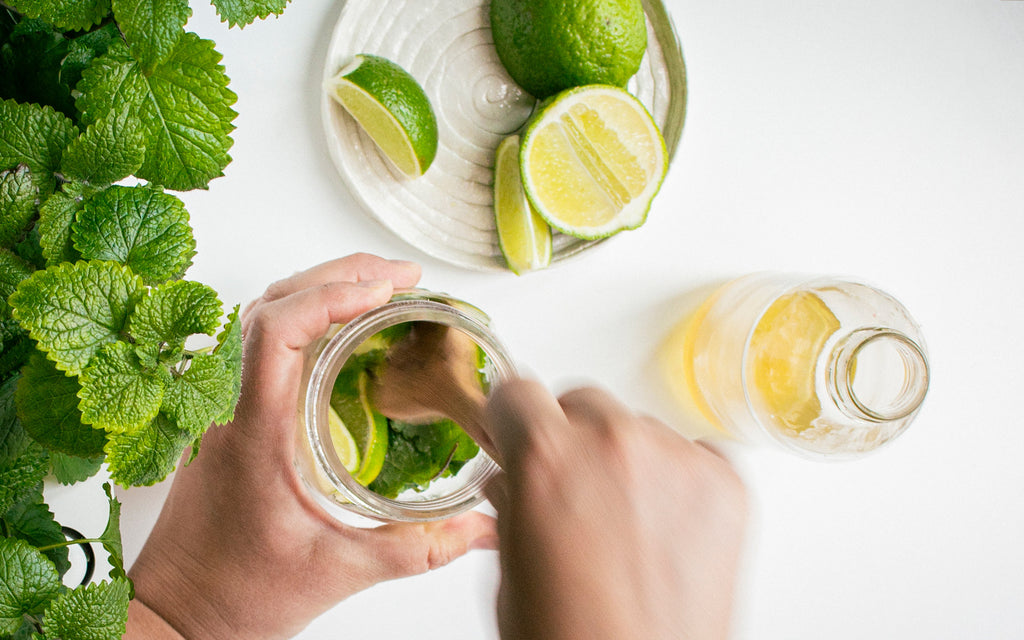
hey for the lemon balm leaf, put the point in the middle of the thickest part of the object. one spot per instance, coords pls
(35, 136)
(110, 149)
(140, 227)
(73, 15)
(243, 12)
(71, 469)
(151, 27)
(47, 402)
(200, 395)
(30, 582)
(73, 310)
(17, 204)
(54, 225)
(97, 611)
(184, 106)
(146, 456)
(229, 348)
(12, 271)
(33, 522)
(22, 461)
(111, 536)
(118, 393)
(170, 313)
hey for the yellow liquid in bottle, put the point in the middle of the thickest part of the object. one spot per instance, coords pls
(782, 356)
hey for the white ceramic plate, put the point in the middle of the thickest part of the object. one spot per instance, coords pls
(446, 45)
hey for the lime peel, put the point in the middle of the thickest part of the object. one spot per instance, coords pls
(523, 236)
(391, 106)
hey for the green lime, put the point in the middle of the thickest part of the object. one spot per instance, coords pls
(524, 237)
(344, 444)
(551, 45)
(592, 161)
(393, 109)
(367, 429)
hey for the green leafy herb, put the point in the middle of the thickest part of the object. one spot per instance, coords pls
(184, 106)
(94, 612)
(119, 393)
(66, 14)
(140, 227)
(32, 521)
(229, 347)
(197, 397)
(110, 149)
(73, 310)
(17, 204)
(47, 402)
(54, 225)
(35, 136)
(242, 12)
(30, 582)
(146, 456)
(151, 27)
(71, 469)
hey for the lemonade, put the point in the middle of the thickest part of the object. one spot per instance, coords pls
(820, 366)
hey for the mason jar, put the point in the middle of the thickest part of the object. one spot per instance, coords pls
(317, 459)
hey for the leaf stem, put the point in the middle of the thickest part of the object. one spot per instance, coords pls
(68, 543)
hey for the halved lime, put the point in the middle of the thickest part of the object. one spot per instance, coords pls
(524, 237)
(344, 443)
(592, 161)
(367, 429)
(392, 107)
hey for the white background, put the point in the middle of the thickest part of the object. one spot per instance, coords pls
(879, 139)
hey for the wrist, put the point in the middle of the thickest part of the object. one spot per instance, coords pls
(146, 624)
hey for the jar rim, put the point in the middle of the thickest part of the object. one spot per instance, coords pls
(407, 305)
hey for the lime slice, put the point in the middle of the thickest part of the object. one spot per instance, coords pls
(592, 161)
(367, 429)
(344, 444)
(393, 109)
(524, 237)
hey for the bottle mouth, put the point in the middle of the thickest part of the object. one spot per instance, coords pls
(879, 375)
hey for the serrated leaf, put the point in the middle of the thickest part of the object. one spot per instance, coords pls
(148, 455)
(151, 27)
(35, 136)
(73, 310)
(12, 271)
(47, 402)
(229, 347)
(83, 49)
(71, 469)
(171, 312)
(140, 227)
(30, 582)
(94, 612)
(33, 522)
(74, 15)
(243, 12)
(111, 536)
(184, 106)
(110, 149)
(200, 395)
(118, 394)
(55, 218)
(30, 61)
(18, 196)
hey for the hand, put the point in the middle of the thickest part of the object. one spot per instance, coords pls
(240, 550)
(611, 525)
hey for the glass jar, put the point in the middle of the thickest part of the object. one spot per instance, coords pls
(317, 458)
(824, 367)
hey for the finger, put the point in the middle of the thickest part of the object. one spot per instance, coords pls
(519, 415)
(359, 267)
(590, 407)
(302, 318)
(497, 492)
(402, 550)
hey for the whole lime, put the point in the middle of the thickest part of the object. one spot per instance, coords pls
(551, 45)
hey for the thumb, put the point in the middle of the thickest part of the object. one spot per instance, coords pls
(411, 549)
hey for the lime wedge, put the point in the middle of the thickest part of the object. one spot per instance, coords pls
(592, 161)
(524, 237)
(367, 429)
(392, 107)
(344, 444)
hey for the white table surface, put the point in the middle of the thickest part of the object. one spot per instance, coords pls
(879, 139)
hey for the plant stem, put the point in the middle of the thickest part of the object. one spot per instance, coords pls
(68, 543)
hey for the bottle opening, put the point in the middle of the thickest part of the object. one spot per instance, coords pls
(880, 375)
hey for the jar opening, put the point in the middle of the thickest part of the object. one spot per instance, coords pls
(880, 375)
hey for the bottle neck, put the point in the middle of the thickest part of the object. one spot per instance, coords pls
(878, 375)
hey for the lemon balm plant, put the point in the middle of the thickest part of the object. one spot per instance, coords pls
(96, 365)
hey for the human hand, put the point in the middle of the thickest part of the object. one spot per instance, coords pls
(611, 525)
(240, 549)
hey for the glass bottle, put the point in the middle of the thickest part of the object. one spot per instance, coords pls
(824, 367)
(317, 459)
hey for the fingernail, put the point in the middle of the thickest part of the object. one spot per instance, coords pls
(484, 543)
(374, 284)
